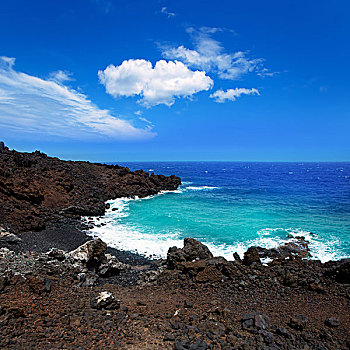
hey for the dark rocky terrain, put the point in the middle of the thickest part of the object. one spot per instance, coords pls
(59, 290)
(36, 190)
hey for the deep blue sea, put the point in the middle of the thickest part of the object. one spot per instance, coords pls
(232, 205)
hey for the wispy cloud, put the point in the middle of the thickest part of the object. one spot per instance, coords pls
(156, 85)
(61, 76)
(209, 54)
(165, 12)
(29, 104)
(222, 96)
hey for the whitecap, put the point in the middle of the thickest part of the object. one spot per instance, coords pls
(199, 188)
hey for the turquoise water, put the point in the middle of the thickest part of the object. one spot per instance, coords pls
(230, 206)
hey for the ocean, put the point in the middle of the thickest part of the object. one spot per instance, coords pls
(230, 206)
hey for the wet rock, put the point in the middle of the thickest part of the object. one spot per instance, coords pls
(332, 322)
(105, 300)
(298, 247)
(255, 320)
(251, 256)
(298, 322)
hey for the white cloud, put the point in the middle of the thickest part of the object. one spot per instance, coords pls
(165, 11)
(29, 104)
(222, 96)
(60, 76)
(208, 54)
(156, 85)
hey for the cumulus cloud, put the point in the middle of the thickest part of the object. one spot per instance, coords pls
(209, 54)
(29, 104)
(156, 85)
(222, 96)
(165, 12)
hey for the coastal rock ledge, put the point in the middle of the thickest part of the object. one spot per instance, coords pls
(36, 189)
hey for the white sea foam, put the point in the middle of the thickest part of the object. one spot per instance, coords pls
(200, 188)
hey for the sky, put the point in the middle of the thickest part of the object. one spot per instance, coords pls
(164, 80)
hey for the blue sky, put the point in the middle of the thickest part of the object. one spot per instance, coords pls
(106, 80)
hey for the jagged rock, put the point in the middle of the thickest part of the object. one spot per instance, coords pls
(175, 256)
(195, 250)
(56, 254)
(111, 266)
(192, 250)
(237, 257)
(90, 255)
(105, 300)
(9, 238)
(298, 322)
(2, 146)
(332, 322)
(251, 256)
(255, 320)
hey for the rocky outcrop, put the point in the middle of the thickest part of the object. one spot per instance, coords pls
(36, 189)
(193, 250)
(105, 300)
(296, 248)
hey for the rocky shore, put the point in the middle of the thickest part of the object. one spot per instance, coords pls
(60, 290)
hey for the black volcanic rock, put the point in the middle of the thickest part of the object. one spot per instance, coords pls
(36, 189)
(192, 250)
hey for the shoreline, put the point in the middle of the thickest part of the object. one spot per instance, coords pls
(60, 289)
(100, 224)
